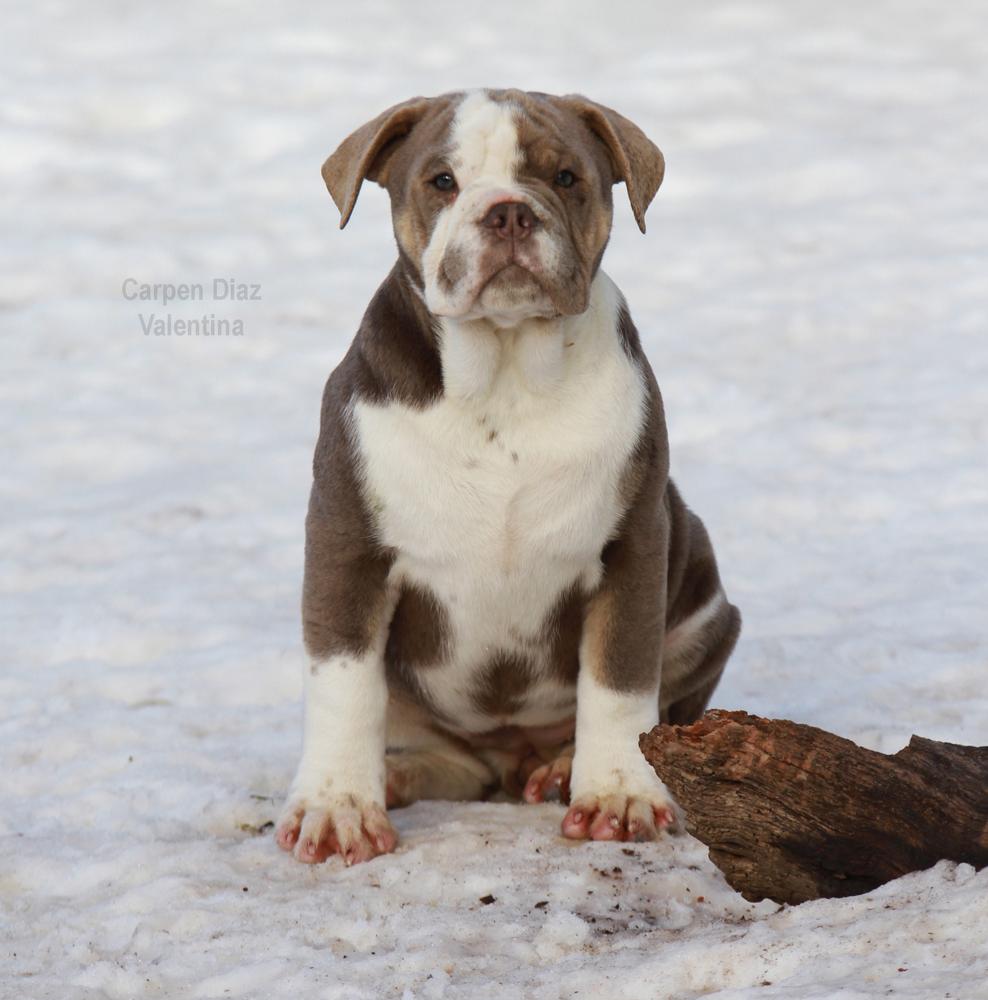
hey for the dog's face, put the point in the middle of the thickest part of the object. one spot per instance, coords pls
(501, 200)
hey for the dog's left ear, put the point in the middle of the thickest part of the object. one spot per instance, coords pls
(366, 152)
(636, 159)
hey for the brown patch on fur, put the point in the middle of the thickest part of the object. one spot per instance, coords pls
(406, 233)
(562, 629)
(419, 630)
(628, 333)
(451, 269)
(625, 619)
(597, 626)
(648, 465)
(394, 355)
(501, 684)
(341, 605)
(343, 590)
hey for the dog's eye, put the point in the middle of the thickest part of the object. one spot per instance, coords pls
(565, 178)
(444, 181)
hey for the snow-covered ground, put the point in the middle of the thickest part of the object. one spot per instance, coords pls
(812, 292)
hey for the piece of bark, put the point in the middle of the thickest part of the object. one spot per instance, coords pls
(793, 813)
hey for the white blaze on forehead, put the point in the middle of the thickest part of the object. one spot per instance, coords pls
(485, 141)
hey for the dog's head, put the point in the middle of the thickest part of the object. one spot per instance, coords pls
(501, 199)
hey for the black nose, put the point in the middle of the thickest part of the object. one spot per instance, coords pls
(511, 220)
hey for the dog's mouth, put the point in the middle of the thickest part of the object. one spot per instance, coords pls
(513, 290)
(505, 286)
(520, 286)
(513, 274)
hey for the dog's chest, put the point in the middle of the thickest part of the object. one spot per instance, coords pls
(497, 504)
(469, 489)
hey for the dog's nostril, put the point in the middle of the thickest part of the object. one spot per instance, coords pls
(524, 216)
(497, 217)
(510, 220)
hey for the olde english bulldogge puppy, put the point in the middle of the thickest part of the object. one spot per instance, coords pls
(503, 587)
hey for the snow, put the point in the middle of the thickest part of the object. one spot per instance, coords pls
(812, 294)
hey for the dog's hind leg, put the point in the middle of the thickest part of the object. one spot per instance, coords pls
(423, 762)
(702, 626)
(694, 666)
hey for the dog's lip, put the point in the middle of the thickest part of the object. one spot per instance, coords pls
(537, 276)
(507, 267)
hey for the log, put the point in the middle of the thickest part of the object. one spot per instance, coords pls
(792, 813)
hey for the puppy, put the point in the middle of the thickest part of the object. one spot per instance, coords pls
(503, 587)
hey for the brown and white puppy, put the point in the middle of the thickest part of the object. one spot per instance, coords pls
(502, 588)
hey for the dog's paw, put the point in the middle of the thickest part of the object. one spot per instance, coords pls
(355, 829)
(615, 799)
(620, 817)
(549, 781)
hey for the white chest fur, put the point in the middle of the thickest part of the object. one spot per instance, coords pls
(503, 493)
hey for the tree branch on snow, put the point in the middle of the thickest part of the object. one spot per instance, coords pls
(792, 813)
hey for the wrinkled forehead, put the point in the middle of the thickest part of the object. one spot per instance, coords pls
(498, 135)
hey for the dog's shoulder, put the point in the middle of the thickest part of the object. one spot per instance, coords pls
(392, 357)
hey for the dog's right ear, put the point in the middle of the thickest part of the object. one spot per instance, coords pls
(366, 152)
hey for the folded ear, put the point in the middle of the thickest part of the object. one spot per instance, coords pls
(636, 159)
(365, 153)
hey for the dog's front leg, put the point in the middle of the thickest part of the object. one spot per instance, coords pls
(615, 794)
(336, 804)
